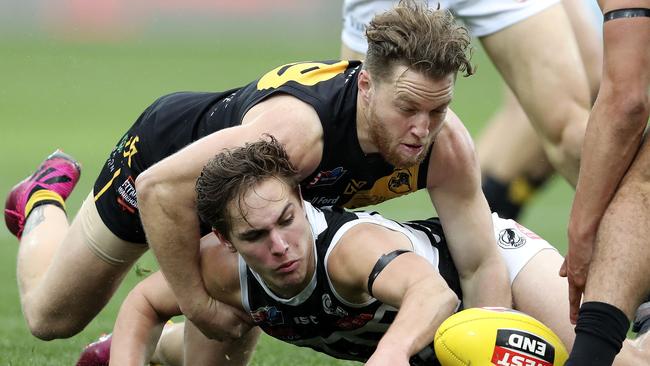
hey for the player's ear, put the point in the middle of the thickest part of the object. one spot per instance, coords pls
(364, 83)
(224, 241)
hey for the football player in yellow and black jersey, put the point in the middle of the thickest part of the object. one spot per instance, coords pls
(358, 134)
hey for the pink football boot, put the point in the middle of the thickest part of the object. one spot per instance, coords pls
(59, 173)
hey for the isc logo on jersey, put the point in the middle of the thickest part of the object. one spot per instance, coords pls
(517, 348)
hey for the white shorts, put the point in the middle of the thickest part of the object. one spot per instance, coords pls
(482, 17)
(517, 244)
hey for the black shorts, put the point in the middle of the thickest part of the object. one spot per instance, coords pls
(169, 124)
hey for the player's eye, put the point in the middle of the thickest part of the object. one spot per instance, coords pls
(287, 221)
(407, 110)
(252, 236)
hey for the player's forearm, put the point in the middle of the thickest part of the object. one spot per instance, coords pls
(488, 285)
(172, 228)
(424, 307)
(483, 273)
(611, 142)
(616, 125)
(140, 321)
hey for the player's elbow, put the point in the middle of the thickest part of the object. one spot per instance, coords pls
(152, 187)
(630, 105)
(145, 185)
(138, 306)
(449, 301)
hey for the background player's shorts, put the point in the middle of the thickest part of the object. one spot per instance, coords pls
(517, 246)
(482, 17)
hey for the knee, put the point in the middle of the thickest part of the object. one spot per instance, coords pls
(563, 134)
(48, 325)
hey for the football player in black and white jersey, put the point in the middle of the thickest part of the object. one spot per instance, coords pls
(353, 285)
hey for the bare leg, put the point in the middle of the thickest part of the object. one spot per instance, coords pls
(619, 273)
(540, 292)
(532, 56)
(63, 283)
(508, 147)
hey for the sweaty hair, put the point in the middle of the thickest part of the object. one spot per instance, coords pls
(425, 40)
(229, 175)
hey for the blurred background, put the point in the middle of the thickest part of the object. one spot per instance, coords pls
(75, 75)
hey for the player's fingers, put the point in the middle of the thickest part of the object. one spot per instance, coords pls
(575, 295)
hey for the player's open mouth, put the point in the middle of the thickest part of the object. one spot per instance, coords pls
(413, 149)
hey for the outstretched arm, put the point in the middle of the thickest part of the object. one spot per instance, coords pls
(140, 321)
(151, 303)
(455, 190)
(408, 282)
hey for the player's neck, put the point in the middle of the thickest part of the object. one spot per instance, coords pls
(363, 127)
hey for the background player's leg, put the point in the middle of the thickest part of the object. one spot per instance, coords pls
(539, 291)
(513, 161)
(541, 63)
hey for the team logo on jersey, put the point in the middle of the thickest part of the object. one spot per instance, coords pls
(400, 181)
(267, 314)
(511, 239)
(517, 348)
(127, 198)
(327, 177)
(329, 309)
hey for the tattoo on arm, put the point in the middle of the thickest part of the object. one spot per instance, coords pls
(36, 217)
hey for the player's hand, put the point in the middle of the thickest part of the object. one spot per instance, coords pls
(220, 321)
(576, 267)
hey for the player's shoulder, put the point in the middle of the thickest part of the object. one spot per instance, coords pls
(454, 143)
(453, 154)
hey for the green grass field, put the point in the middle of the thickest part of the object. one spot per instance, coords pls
(82, 97)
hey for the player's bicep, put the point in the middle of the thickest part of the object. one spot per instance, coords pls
(404, 273)
(361, 257)
(295, 124)
(459, 201)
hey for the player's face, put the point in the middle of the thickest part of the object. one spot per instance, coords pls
(271, 233)
(405, 114)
